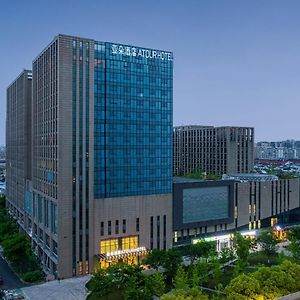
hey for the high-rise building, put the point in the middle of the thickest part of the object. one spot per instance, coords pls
(213, 150)
(102, 153)
(18, 144)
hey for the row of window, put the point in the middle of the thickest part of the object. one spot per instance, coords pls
(45, 212)
(117, 228)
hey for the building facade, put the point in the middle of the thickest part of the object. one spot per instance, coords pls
(213, 150)
(18, 144)
(102, 153)
(214, 210)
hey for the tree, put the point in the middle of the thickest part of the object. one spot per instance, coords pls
(242, 247)
(195, 276)
(243, 287)
(202, 269)
(194, 251)
(292, 269)
(226, 255)
(134, 290)
(189, 294)
(265, 283)
(181, 280)
(117, 280)
(294, 248)
(99, 285)
(278, 280)
(217, 271)
(2, 201)
(268, 241)
(171, 261)
(155, 284)
(155, 258)
(16, 248)
(7, 227)
(200, 249)
(294, 233)
(294, 238)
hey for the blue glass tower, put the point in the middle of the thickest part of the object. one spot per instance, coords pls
(132, 120)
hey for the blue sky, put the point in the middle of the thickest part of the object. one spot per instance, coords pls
(235, 62)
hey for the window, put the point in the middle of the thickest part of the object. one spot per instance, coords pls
(102, 228)
(54, 247)
(158, 231)
(151, 233)
(54, 218)
(124, 226)
(164, 231)
(117, 227)
(109, 228)
(137, 224)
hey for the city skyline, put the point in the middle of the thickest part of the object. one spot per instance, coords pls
(236, 63)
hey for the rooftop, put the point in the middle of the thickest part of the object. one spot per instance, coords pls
(249, 177)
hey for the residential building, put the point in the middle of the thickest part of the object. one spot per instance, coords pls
(212, 150)
(283, 150)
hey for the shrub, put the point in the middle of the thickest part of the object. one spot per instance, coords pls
(33, 277)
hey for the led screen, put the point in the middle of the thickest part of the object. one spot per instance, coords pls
(204, 204)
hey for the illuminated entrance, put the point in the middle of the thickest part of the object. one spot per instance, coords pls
(123, 249)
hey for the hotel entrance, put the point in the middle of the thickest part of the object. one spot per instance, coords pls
(123, 249)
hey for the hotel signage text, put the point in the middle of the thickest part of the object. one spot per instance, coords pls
(140, 52)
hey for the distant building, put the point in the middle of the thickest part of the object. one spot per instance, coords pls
(18, 143)
(283, 150)
(2, 153)
(213, 150)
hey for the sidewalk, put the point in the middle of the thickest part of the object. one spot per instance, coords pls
(67, 289)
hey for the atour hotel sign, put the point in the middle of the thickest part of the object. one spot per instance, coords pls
(140, 52)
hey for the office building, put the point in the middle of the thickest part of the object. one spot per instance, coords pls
(18, 144)
(212, 150)
(101, 154)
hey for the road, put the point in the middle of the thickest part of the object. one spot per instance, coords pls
(10, 279)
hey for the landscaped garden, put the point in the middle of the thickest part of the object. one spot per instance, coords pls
(252, 269)
(17, 249)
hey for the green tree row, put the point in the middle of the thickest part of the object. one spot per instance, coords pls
(265, 283)
(17, 249)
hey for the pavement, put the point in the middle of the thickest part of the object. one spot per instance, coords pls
(67, 289)
(10, 279)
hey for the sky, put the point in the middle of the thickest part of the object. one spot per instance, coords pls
(236, 63)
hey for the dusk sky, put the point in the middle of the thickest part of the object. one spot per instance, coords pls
(235, 62)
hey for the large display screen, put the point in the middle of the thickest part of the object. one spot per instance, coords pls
(205, 203)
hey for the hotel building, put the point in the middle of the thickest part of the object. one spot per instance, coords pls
(101, 154)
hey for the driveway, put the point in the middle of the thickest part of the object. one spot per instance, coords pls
(67, 289)
(10, 279)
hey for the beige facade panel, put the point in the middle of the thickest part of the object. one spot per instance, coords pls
(129, 209)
